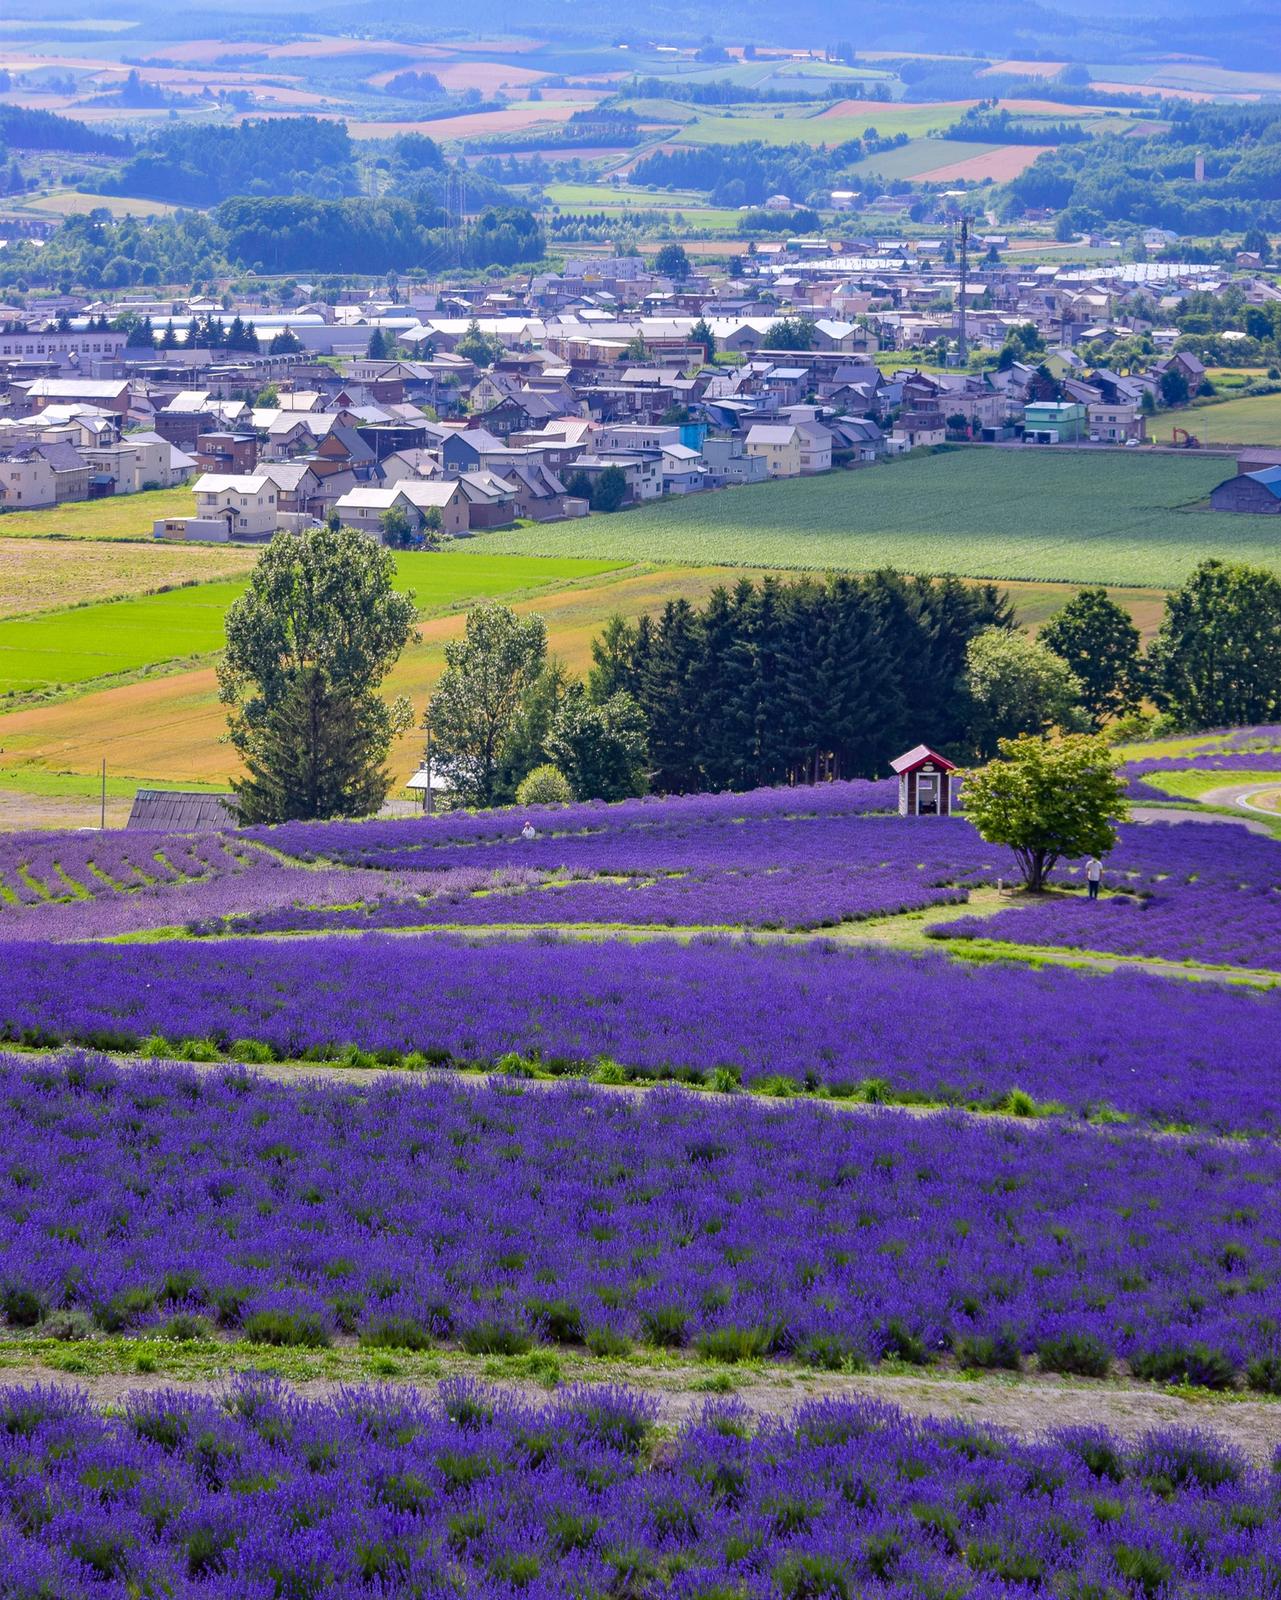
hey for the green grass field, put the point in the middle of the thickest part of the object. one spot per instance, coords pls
(1253, 419)
(791, 128)
(921, 155)
(63, 649)
(121, 516)
(1074, 517)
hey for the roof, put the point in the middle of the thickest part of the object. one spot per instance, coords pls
(917, 757)
(771, 433)
(222, 482)
(1269, 477)
(182, 811)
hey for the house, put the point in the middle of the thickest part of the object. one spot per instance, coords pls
(643, 471)
(246, 506)
(225, 452)
(729, 462)
(491, 500)
(1257, 492)
(684, 470)
(1114, 424)
(540, 494)
(1053, 422)
(43, 475)
(815, 447)
(924, 783)
(297, 487)
(106, 394)
(182, 811)
(137, 461)
(779, 445)
(364, 506)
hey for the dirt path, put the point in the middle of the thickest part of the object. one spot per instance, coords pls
(1027, 1407)
(1214, 797)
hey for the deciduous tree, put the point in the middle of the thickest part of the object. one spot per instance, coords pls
(478, 702)
(1216, 660)
(1017, 686)
(1048, 801)
(1099, 642)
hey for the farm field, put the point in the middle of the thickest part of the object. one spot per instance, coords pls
(920, 156)
(168, 729)
(62, 648)
(119, 516)
(1074, 517)
(71, 203)
(1030, 1253)
(1252, 419)
(44, 575)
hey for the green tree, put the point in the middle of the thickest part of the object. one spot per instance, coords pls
(1016, 686)
(477, 347)
(544, 786)
(308, 646)
(376, 349)
(1048, 801)
(1099, 642)
(477, 706)
(672, 262)
(319, 753)
(398, 527)
(610, 490)
(1216, 659)
(1174, 387)
(701, 333)
(790, 333)
(285, 343)
(600, 747)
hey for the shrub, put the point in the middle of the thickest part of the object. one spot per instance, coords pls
(1080, 1354)
(740, 1344)
(544, 786)
(305, 1329)
(560, 1320)
(1195, 1364)
(395, 1333)
(1175, 1458)
(902, 1343)
(22, 1308)
(496, 1339)
(1264, 1374)
(185, 1328)
(992, 1351)
(67, 1326)
(251, 1051)
(606, 1342)
(125, 1309)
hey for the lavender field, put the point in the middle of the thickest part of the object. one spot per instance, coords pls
(783, 1018)
(378, 1492)
(424, 1214)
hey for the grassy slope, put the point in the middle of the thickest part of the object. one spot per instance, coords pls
(123, 516)
(1255, 419)
(1072, 517)
(98, 641)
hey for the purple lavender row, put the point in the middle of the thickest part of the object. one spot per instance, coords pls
(777, 899)
(381, 1492)
(417, 1213)
(349, 840)
(1200, 922)
(1156, 1049)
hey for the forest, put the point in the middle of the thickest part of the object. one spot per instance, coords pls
(1151, 181)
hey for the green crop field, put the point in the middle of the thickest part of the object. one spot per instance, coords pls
(1253, 419)
(913, 120)
(62, 649)
(921, 155)
(1074, 517)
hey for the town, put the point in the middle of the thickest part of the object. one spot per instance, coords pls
(594, 387)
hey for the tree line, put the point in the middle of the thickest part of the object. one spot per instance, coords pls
(775, 682)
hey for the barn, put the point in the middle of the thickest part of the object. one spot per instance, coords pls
(1258, 492)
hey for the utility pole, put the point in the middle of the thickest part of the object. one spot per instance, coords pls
(962, 341)
(102, 806)
(428, 765)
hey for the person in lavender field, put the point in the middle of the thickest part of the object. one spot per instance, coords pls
(1094, 876)
(528, 832)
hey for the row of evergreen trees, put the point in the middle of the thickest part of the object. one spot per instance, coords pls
(789, 682)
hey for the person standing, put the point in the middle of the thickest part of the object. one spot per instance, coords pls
(1094, 876)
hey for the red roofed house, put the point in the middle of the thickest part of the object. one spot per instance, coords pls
(924, 783)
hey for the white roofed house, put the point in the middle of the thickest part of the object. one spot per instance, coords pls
(247, 505)
(780, 445)
(364, 506)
